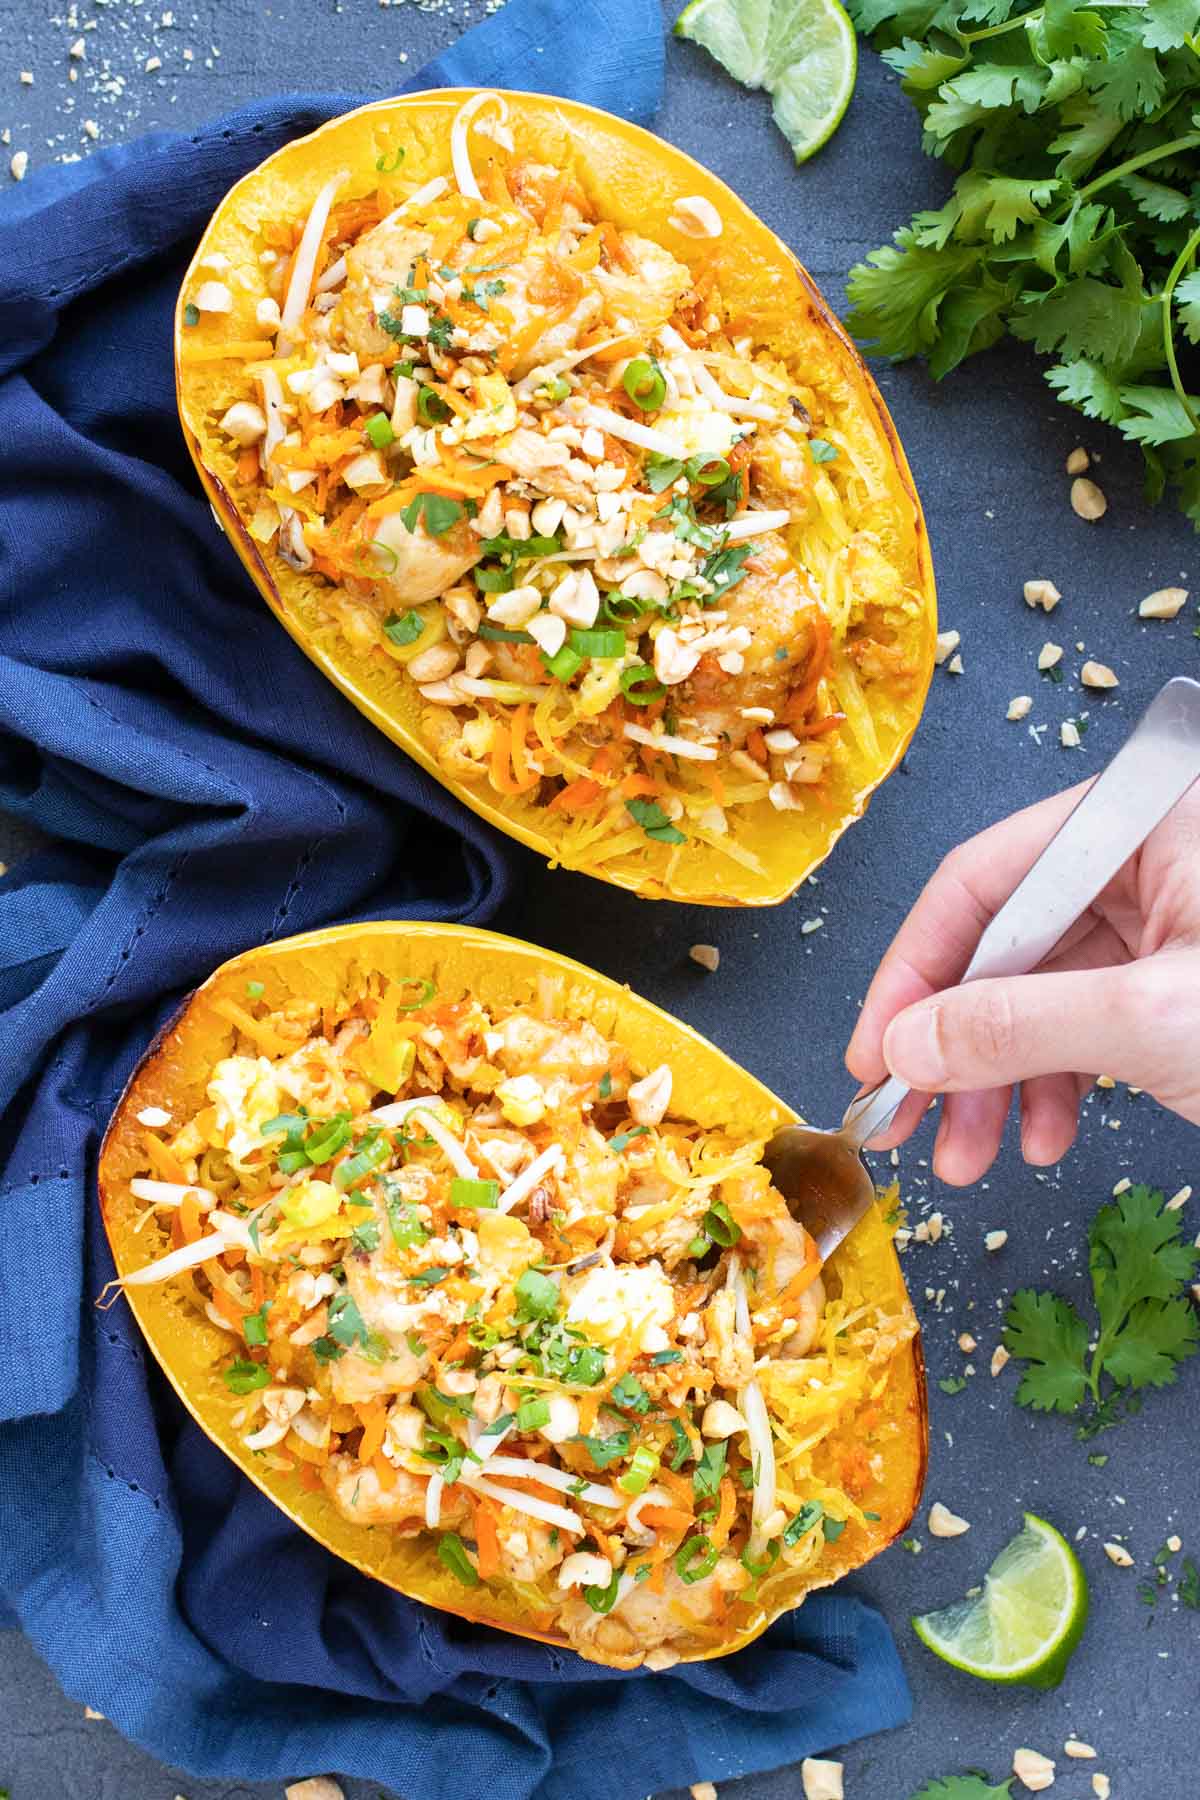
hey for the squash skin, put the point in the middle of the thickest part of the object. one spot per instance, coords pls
(461, 959)
(635, 178)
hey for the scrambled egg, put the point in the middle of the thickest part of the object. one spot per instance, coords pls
(628, 1303)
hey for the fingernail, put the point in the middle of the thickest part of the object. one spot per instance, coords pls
(912, 1047)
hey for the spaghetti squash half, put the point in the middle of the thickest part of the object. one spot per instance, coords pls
(467, 1256)
(553, 458)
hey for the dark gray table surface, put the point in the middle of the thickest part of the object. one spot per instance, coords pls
(988, 451)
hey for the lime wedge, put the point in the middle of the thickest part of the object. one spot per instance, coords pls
(1026, 1619)
(803, 52)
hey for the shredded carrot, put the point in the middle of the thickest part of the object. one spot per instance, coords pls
(526, 776)
(577, 796)
(310, 1479)
(189, 1218)
(487, 1538)
(457, 1347)
(374, 1424)
(638, 784)
(496, 185)
(384, 1471)
(803, 695)
(613, 352)
(818, 727)
(248, 466)
(258, 1287)
(756, 745)
(308, 1453)
(499, 771)
(656, 1580)
(164, 1161)
(519, 346)
(667, 1518)
(228, 1308)
(617, 251)
(718, 1531)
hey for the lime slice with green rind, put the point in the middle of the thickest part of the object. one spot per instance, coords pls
(803, 52)
(1025, 1621)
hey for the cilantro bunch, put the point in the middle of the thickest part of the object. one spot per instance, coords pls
(1074, 223)
(1147, 1325)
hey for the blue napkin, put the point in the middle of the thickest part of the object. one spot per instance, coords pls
(206, 789)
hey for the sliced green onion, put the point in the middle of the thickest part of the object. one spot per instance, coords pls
(254, 1325)
(709, 471)
(603, 1599)
(453, 1553)
(664, 1357)
(407, 1229)
(696, 1558)
(721, 1225)
(502, 636)
(386, 165)
(403, 628)
(760, 1568)
(645, 383)
(379, 429)
(641, 685)
(618, 609)
(428, 990)
(596, 643)
(329, 1139)
(563, 664)
(465, 1192)
(254, 990)
(643, 1467)
(493, 581)
(833, 1528)
(362, 1162)
(557, 388)
(624, 1138)
(431, 408)
(531, 1414)
(191, 314)
(821, 450)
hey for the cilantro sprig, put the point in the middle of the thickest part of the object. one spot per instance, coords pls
(973, 1786)
(1074, 223)
(1139, 1264)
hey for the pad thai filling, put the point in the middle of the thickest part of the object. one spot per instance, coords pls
(529, 455)
(482, 1284)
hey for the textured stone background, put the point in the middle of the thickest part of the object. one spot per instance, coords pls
(988, 452)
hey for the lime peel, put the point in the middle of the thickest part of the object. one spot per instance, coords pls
(803, 52)
(1024, 1623)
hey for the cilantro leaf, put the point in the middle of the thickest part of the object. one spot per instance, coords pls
(654, 821)
(1187, 302)
(1154, 1340)
(435, 511)
(1137, 1253)
(1048, 1333)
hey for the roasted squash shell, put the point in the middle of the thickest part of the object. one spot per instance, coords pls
(635, 180)
(879, 1447)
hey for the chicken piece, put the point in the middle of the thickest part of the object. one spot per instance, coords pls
(381, 261)
(781, 471)
(643, 299)
(528, 1549)
(517, 662)
(418, 567)
(780, 1248)
(535, 185)
(644, 1620)
(361, 1497)
(589, 1176)
(668, 1238)
(724, 1350)
(545, 1048)
(355, 1379)
(774, 603)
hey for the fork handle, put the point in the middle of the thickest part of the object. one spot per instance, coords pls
(1150, 774)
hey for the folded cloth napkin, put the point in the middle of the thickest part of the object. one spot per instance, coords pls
(206, 789)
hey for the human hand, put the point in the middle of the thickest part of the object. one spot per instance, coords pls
(1119, 996)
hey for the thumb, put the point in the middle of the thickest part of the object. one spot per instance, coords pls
(987, 1034)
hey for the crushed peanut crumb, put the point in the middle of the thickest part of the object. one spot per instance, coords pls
(703, 1790)
(947, 644)
(1078, 461)
(966, 1343)
(1118, 1555)
(1163, 603)
(1087, 500)
(1098, 675)
(1019, 707)
(1121, 1187)
(316, 1787)
(1041, 593)
(995, 1240)
(1102, 1787)
(1174, 1543)
(19, 165)
(1033, 1770)
(1079, 1750)
(707, 955)
(1000, 1359)
(822, 1780)
(1179, 1200)
(811, 925)
(1068, 735)
(955, 665)
(945, 1524)
(1049, 656)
